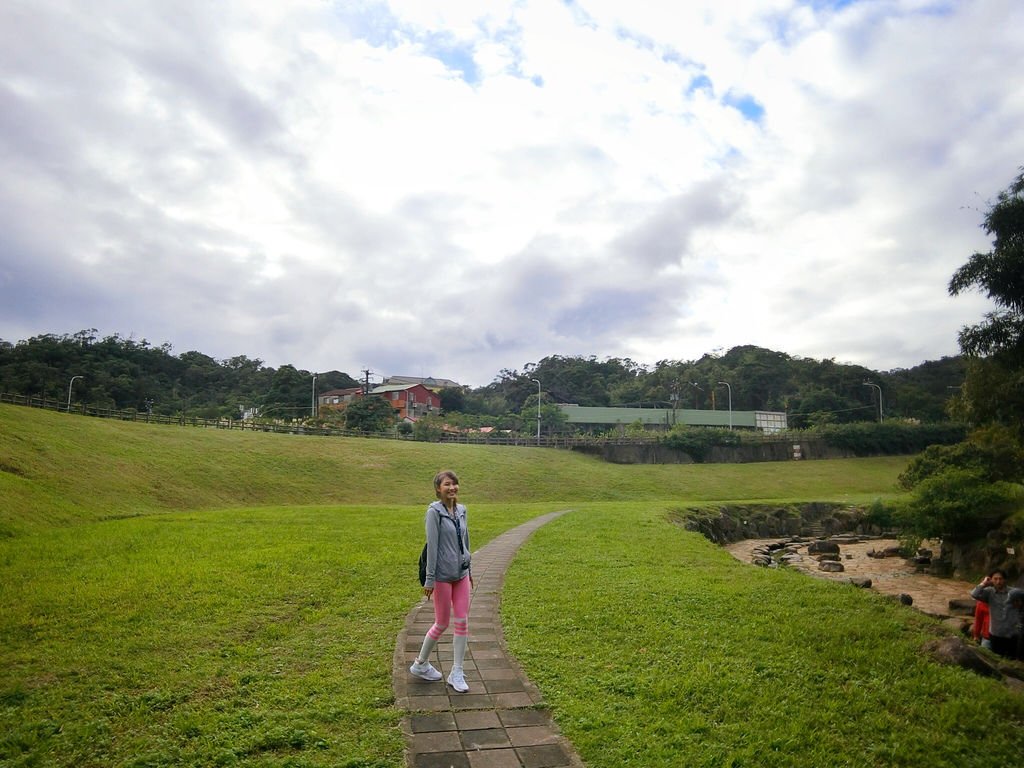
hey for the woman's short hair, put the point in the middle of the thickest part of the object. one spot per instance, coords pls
(439, 478)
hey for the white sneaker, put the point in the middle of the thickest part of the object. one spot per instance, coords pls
(425, 671)
(457, 680)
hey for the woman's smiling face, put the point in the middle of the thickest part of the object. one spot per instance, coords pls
(447, 489)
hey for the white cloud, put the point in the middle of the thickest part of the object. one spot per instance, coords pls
(450, 189)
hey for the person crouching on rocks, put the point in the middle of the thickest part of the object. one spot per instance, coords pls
(449, 580)
(1004, 612)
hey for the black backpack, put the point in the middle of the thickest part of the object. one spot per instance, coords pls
(423, 556)
(423, 566)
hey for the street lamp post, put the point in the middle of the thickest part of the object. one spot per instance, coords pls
(729, 386)
(313, 406)
(871, 384)
(70, 385)
(699, 388)
(537, 382)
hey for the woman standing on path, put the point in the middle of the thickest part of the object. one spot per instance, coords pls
(449, 579)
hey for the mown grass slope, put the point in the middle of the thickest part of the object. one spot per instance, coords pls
(58, 468)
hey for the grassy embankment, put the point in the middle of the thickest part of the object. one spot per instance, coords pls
(176, 596)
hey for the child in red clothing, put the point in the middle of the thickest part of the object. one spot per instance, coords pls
(980, 627)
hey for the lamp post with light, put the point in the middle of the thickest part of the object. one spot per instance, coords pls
(70, 385)
(729, 387)
(871, 384)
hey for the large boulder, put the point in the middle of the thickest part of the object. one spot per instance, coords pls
(831, 566)
(953, 650)
(822, 547)
(962, 606)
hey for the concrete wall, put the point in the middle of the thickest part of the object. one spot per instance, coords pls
(740, 454)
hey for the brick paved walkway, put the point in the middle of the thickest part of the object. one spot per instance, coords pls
(502, 722)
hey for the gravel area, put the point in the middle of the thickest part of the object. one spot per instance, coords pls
(890, 575)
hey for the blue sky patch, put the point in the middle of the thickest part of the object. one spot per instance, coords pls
(376, 24)
(455, 55)
(835, 5)
(747, 105)
(373, 23)
(700, 83)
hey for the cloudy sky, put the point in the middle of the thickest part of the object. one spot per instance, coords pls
(452, 187)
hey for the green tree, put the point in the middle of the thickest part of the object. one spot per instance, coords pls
(817, 406)
(963, 491)
(291, 392)
(1000, 275)
(992, 454)
(369, 414)
(553, 420)
(452, 399)
(994, 388)
(958, 505)
(428, 429)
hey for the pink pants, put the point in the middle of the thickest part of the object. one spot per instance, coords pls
(450, 596)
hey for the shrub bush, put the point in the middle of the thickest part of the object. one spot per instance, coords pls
(991, 453)
(697, 441)
(957, 504)
(890, 438)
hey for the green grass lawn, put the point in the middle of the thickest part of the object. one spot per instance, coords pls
(247, 637)
(177, 596)
(656, 648)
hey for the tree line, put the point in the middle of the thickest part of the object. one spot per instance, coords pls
(812, 392)
(122, 373)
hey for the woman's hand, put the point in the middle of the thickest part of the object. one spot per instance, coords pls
(428, 591)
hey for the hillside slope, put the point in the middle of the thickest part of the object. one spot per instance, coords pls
(58, 468)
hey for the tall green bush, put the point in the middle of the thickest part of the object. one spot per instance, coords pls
(958, 505)
(992, 453)
(428, 429)
(889, 438)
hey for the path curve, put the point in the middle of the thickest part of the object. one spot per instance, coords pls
(502, 722)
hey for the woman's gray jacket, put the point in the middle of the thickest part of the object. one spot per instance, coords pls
(445, 561)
